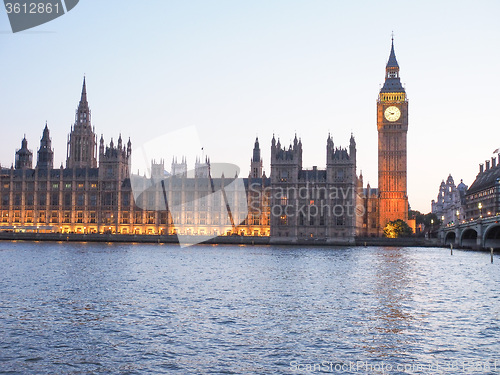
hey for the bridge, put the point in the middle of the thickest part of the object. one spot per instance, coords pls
(482, 233)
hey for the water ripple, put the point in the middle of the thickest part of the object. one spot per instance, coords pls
(134, 309)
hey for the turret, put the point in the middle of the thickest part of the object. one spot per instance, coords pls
(24, 157)
(286, 163)
(256, 161)
(45, 152)
(179, 169)
(129, 148)
(101, 147)
(352, 148)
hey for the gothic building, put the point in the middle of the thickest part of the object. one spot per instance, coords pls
(314, 203)
(78, 198)
(483, 197)
(96, 193)
(450, 204)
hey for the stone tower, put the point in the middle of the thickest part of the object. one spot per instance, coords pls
(179, 169)
(82, 141)
(24, 157)
(286, 165)
(45, 152)
(256, 162)
(202, 169)
(114, 160)
(392, 126)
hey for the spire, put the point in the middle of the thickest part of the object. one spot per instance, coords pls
(392, 80)
(46, 134)
(329, 141)
(392, 63)
(84, 91)
(129, 147)
(256, 151)
(45, 152)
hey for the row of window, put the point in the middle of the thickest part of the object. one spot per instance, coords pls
(481, 194)
(312, 220)
(42, 186)
(53, 199)
(66, 217)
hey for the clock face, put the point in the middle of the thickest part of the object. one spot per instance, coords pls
(392, 113)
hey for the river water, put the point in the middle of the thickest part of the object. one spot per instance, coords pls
(69, 308)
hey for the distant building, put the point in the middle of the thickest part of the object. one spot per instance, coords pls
(450, 204)
(483, 197)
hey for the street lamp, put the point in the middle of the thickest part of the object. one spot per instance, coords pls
(480, 206)
(458, 217)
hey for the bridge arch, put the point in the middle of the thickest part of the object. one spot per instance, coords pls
(492, 236)
(469, 238)
(450, 238)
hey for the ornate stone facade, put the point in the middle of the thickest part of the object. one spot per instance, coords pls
(450, 204)
(96, 192)
(483, 197)
(319, 204)
(392, 126)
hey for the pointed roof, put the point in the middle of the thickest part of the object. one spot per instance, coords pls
(84, 91)
(392, 81)
(392, 63)
(45, 135)
(24, 143)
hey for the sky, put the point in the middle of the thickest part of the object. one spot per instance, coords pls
(234, 70)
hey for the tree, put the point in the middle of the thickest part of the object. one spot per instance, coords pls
(397, 228)
(425, 219)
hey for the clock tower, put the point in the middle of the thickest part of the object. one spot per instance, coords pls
(392, 126)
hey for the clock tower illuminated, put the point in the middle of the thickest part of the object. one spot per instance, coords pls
(392, 126)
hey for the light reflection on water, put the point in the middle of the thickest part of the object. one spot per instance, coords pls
(100, 308)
